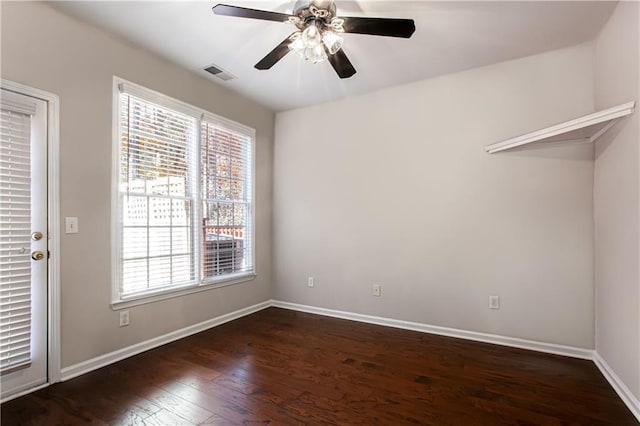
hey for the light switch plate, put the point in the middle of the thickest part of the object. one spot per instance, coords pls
(494, 302)
(71, 225)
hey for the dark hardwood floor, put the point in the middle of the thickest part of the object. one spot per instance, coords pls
(283, 367)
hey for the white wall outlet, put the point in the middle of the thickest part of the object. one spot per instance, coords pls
(124, 318)
(310, 281)
(376, 290)
(71, 225)
(494, 302)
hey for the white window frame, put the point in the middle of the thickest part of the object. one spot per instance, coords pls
(117, 300)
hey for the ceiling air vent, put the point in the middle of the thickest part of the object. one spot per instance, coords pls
(220, 73)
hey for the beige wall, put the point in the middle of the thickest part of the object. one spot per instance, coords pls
(617, 199)
(395, 188)
(45, 49)
(400, 192)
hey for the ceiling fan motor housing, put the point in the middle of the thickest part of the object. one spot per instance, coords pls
(320, 11)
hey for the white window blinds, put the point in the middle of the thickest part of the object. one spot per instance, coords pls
(15, 218)
(185, 196)
(157, 196)
(225, 165)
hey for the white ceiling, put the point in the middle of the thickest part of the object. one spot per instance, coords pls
(449, 37)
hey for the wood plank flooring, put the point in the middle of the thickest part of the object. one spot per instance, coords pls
(288, 368)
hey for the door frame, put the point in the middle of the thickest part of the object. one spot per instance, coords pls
(53, 212)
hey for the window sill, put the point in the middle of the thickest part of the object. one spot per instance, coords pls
(143, 299)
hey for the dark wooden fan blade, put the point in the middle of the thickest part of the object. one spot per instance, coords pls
(389, 27)
(341, 64)
(275, 55)
(243, 12)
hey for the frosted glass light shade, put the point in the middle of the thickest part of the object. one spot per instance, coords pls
(297, 45)
(315, 54)
(333, 41)
(311, 36)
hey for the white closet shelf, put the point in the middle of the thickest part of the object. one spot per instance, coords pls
(585, 129)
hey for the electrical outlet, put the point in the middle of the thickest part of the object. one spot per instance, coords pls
(124, 318)
(376, 290)
(494, 302)
(310, 281)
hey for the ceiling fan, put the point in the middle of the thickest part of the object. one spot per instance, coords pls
(318, 28)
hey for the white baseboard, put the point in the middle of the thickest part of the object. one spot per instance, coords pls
(552, 348)
(19, 393)
(621, 389)
(106, 359)
(109, 358)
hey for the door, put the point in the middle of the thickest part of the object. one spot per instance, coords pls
(23, 243)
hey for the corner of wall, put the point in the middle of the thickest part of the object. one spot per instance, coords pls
(616, 204)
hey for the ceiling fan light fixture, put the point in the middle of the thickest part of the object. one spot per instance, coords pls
(333, 41)
(308, 44)
(315, 54)
(297, 44)
(311, 36)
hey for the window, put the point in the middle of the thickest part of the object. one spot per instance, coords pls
(184, 196)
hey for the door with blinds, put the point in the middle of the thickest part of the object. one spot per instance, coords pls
(23, 243)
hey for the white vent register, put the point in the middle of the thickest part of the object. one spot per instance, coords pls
(585, 129)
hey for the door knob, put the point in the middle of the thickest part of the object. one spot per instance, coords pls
(37, 255)
(36, 236)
